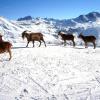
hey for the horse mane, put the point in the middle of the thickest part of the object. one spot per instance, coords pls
(23, 34)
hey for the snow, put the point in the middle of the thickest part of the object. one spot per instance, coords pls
(50, 73)
(12, 30)
(54, 72)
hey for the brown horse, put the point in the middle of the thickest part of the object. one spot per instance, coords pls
(6, 47)
(66, 37)
(87, 39)
(30, 36)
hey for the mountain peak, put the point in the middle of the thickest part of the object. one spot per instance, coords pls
(25, 18)
(92, 16)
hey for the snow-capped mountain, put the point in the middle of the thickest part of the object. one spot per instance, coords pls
(25, 18)
(88, 24)
(93, 16)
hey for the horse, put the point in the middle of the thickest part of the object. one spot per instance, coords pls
(87, 39)
(31, 36)
(6, 47)
(67, 37)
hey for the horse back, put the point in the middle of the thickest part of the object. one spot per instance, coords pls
(36, 36)
(5, 45)
(67, 37)
(89, 38)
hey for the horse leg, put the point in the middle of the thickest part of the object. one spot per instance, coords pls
(33, 43)
(73, 43)
(85, 44)
(94, 45)
(27, 43)
(40, 43)
(44, 42)
(64, 42)
(10, 54)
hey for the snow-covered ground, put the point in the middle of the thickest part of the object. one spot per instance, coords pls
(54, 72)
(50, 73)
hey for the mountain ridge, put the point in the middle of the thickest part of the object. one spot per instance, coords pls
(88, 24)
(84, 18)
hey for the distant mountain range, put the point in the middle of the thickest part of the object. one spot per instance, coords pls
(81, 19)
(25, 18)
(88, 24)
(90, 17)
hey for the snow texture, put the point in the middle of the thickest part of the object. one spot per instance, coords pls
(55, 72)
(50, 73)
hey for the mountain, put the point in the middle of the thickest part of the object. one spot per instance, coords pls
(25, 18)
(88, 24)
(93, 16)
(53, 72)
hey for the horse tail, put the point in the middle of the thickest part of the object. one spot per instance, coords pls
(41, 34)
(8, 44)
(95, 38)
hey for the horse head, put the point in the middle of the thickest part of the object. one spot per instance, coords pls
(24, 34)
(80, 35)
(60, 32)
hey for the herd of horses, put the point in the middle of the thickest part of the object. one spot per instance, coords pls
(31, 36)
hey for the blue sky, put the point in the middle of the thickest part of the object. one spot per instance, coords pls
(60, 9)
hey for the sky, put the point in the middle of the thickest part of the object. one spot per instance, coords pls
(59, 9)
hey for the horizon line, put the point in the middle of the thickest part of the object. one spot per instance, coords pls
(46, 16)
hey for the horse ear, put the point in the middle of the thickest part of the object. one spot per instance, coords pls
(59, 32)
(26, 30)
(81, 33)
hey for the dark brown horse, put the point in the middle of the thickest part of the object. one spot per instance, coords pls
(66, 37)
(87, 39)
(30, 36)
(6, 47)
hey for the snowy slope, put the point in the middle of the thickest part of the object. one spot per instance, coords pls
(12, 29)
(89, 24)
(50, 73)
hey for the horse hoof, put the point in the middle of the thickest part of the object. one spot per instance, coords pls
(9, 59)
